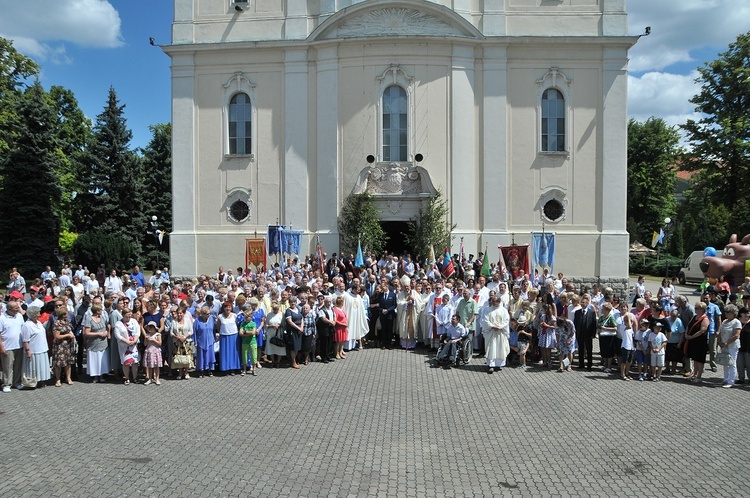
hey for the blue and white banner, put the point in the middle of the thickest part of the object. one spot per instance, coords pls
(283, 241)
(544, 250)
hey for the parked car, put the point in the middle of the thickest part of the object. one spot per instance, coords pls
(691, 270)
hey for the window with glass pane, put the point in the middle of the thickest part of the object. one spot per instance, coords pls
(240, 123)
(395, 124)
(553, 121)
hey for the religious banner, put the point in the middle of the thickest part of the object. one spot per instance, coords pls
(516, 259)
(255, 252)
(544, 250)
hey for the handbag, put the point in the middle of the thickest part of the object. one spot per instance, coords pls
(724, 359)
(278, 338)
(182, 360)
(28, 378)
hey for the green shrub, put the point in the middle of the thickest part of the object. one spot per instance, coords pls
(92, 248)
(648, 265)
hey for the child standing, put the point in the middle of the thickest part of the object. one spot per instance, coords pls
(641, 348)
(657, 344)
(152, 355)
(627, 351)
(249, 346)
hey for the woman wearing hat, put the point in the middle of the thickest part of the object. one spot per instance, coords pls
(228, 335)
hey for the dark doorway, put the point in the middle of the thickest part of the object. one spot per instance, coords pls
(394, 230)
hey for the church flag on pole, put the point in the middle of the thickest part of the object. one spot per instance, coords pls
(359, 261)
(486, 263)
(658, 238)
(319, 252)
(431, 256)
(447, 269)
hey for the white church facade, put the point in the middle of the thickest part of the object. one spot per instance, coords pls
(516, 110)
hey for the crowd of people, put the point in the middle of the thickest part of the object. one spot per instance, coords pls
(118, 326)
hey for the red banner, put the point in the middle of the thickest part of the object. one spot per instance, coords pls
(516, 259)
(255, 252)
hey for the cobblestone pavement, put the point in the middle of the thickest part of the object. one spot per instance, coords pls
(380, 423)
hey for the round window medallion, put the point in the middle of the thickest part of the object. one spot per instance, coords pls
(239, 211)
(554, 210)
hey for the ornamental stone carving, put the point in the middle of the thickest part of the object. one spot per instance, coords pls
(394, 179)
(394, 22)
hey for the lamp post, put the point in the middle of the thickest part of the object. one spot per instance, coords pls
(157, 233)
(667, 221)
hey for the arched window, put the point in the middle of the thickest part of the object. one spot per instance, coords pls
(395, 124)
(240, 125)
(553, 121)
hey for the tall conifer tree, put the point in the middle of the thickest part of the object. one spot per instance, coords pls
(29, 227)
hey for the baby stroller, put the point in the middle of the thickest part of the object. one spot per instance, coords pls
(464, 352)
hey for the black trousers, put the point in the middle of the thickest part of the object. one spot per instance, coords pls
(585, 347)
(324, 343)
(386, 331)
(373, 323)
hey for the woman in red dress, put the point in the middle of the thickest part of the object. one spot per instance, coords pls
(340, 328)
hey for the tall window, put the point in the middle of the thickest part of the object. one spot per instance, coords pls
(395, 124)
(553, 121)
(240, 124)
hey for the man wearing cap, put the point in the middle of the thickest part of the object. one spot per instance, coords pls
(11, 354)
(33, 299)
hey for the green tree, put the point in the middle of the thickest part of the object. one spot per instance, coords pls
(720, 139)
(359, 221)
(73, 130)
(95, 247)
(430, 227)
(111, 179)
(29, 229)
(652, 152)
(15, 68)
(157, 184)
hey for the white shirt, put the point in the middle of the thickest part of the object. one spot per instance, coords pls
(10, 330)
(113, 284)
(35, 335)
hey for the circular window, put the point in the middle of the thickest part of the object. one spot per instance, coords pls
(553, 210)
(239, 211)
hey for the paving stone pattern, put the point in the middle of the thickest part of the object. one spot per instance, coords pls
(380, 423)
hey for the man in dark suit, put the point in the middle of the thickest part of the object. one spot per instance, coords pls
(371, 287)
(387, 306)
(585, 324)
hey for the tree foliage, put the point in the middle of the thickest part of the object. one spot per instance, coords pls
(111, 179)
(95, 247)
(359, 222)
(157, 184)
(15, 68)
(721, 138)
(29, 189)
(652, 153)
(430, 227)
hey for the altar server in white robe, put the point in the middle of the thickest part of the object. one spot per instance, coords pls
(443, 315)
(356, 315)
(408, 307)
(496, 328)
(431, 330)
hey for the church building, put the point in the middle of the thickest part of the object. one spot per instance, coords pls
(515, 110)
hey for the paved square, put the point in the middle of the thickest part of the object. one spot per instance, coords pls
(380, 423)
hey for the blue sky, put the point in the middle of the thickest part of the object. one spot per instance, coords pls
(90, 45)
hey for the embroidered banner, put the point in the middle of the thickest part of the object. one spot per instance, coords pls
(255, 252)
(544, 250)
(516, 259)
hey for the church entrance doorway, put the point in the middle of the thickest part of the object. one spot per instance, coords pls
(394, 230)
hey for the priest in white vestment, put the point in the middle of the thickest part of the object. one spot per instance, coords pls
(496, 333)
(356, 315)
(408, 306)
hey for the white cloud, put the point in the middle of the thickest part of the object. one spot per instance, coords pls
(40, 51)
(678, 29)
(663, 95)
(88, 23)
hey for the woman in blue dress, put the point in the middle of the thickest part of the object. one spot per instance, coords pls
(229, 352)
(203, 336)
